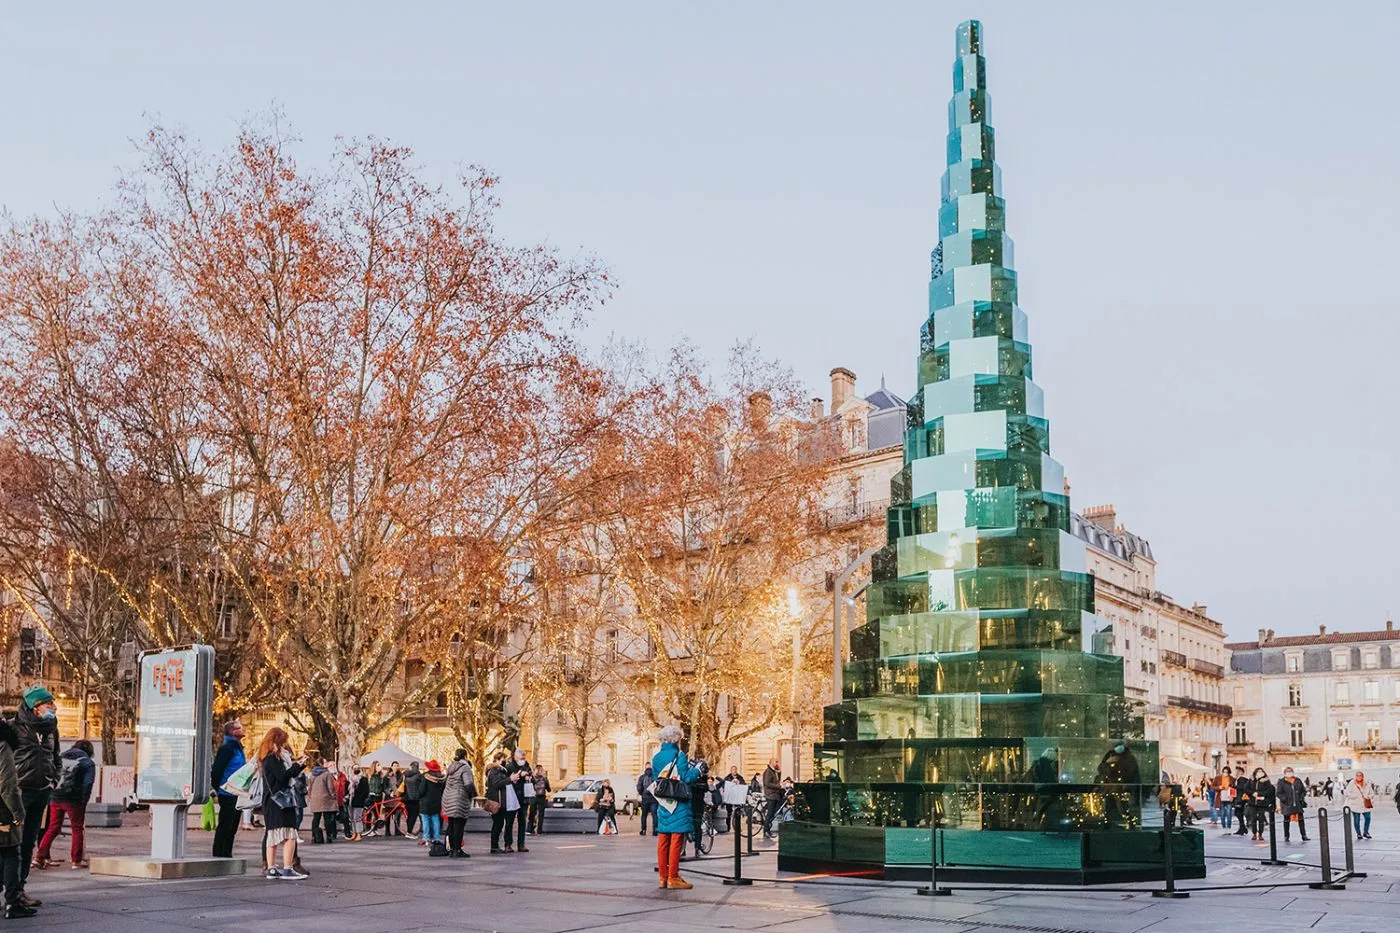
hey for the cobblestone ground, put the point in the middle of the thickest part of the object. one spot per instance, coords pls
(586, 883)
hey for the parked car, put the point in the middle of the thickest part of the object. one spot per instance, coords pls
(583, 790)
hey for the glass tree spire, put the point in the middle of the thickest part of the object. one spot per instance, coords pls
(980, 695)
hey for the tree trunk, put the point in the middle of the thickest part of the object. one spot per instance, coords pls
(349, 727)
(109, 727)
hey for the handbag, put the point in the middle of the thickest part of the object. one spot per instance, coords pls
(437, 850)
(254, 797)
(284, 799)
(670, 788)
(491, 806)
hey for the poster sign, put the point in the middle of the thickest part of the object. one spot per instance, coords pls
(173, 717)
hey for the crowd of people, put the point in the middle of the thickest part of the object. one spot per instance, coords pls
(1246, 800)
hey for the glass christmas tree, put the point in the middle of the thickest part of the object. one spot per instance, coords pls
(980, 697)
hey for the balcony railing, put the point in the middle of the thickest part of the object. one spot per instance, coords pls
(1206, 667)
(1172, 657)
(855, 513)
(1200, 706)
(1154, 709)
(1290, 747)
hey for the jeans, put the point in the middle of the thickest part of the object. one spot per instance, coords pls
(357, 820)
(432, 827)
(227, 827)
(516, 818)
(412, 807)
(36, 804)
(1227, 815)
(76, 813)
(1214, 813)
(456, 826)
(770, 811)
(9, 873)
(649, 808)
(1356, 822)
(323, 821)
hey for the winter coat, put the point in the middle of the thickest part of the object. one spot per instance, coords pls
(542, 787)
(228, 759)
(458, 789)
(11, 796)
(1356, 796)
(1264, 797)
(359, 797)
(412, 785)
(1244, 792)
(80, 791)
(377, 782)
(36, 755)
(527, 776)
(643, 785)
(278, 774)
(431, 801)
(678, 820)
(772, 784)
(497, 780)
(1292, 796)
(320, 791)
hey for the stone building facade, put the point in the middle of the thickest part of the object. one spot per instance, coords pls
(1324, 704)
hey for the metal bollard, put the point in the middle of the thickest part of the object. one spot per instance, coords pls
(1326, 884)
(738, 878)
(1347, 832)
(749, 833)
(1168, 869)
(933, 888)
(1273, 858)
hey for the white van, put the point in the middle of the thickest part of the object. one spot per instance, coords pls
(583, 790)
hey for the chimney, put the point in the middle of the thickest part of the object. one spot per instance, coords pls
(1271, 634)
(1322, 630)
(760, 409)
(816, 411)
(1102, 515)
(843, 387)
(1389, 625)
(1263, 637)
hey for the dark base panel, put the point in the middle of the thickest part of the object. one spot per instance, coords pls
(1117, 874)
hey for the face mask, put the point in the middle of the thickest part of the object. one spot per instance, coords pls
(49, 715)
(1120, 748)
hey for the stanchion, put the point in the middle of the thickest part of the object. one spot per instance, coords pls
(1273, 858)
(1347, 833)
(749, 834)
(933, 888)
(1327, 883)
(738, 878)
(1168, 870)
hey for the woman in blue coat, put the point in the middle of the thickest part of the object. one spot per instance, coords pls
(674, 824)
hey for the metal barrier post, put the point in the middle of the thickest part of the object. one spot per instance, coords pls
(1347, 832)
(1168, 869)
(1273, 858)
(749, 833)
(1326, 884)
(933, 888)
(738, 878)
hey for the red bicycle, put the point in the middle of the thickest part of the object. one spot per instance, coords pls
(378, 817)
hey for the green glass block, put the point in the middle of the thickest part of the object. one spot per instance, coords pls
(1024, 587)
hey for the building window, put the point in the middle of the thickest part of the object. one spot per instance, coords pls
(31, 655)
(1371, 691)
(1343, 692)
(612, 758)
(1293, 663)
(1295, 694)
(1343, 733)
(560, 718)
(1295, 734)
(1373, 733)
(610, 646)
(228, 625)
(561, 763)
(1370, 659)
(1240, 734)
(1341, 660)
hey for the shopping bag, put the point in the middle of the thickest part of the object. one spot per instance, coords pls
(239, 780)
(207, 819)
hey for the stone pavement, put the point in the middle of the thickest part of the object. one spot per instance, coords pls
(586, 883)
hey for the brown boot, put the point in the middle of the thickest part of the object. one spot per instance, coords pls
(679, 884)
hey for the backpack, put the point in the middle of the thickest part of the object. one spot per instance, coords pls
(437, 850)
(70, 779)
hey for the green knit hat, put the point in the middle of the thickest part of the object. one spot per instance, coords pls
(36, 695)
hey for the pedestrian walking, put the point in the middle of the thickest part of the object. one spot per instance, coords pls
(1244, 794)
(70, 799)
(1292, 800)
(11, 825)
(772, 796)
(540, 802)
(228, 759)
(279, 771)
(1264, 799)
(412, 793)
(320, 798)
(458, 789)
(647, 807)
(1358, 796)
(1328, 788)
(675, 819)
(430, 803)
(359, 799)
(37, 765)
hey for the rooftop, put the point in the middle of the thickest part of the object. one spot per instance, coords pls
(1267, 639)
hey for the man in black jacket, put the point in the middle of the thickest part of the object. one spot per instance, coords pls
(36, 763)
(1244, 796)
(412, 793)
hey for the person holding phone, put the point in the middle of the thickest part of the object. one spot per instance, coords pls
(279, 770)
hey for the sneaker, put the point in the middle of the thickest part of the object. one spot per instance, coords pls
(272, 874)
(1365, 835)
(291, 874)
(523, 849)
(17, 910)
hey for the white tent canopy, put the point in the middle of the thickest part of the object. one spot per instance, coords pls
(1181, 765)
(386, 753)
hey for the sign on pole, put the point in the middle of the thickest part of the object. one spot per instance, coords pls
(174, 713)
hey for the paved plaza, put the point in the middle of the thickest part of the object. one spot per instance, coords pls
(585, 883)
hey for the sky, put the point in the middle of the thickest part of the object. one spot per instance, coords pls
(1202, 196)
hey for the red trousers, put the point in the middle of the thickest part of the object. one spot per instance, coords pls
(76, 812)
(668, 855)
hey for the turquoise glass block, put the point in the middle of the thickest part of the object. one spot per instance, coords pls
(981, 714)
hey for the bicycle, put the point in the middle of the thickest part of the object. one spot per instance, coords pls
(379, 816)
(705, 841)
